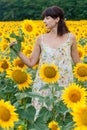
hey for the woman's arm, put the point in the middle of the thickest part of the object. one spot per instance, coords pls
(33, 59)
(74, 51)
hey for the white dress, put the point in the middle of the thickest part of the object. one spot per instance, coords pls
(61, 57)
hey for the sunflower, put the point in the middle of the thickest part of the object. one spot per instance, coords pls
(74, 94)
(35, 66)
(49, 73)
(80, 71)
(28, 27)
(1, 34)
(4, 64)
(28, 50)
(53, 125)
(79, 45)
(80, 52)
(21, 77)
(79, 114)
(7, 115)
(18, 62)
(20, 127)
(4, 44)
(85, 49)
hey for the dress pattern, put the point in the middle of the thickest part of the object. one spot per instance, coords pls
(61, 57)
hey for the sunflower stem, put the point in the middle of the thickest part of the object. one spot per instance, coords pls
(4, 53)
(53, 104)
(24, 103)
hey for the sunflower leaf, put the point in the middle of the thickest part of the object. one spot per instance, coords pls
(19, 38)
(8, 39)
(85, 60)
(27, 94)
(69, 126)
(17, 47)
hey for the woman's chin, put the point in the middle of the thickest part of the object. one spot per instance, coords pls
(47, 27)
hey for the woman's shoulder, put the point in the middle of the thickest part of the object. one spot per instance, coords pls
(41, 36)
(39, 39)
(72, 36)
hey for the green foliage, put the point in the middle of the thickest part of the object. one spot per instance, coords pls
(19, 38)
(26, 9)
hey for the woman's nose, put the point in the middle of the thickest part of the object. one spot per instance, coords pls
(44, 20)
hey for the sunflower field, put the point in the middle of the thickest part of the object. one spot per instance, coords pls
(16, 79)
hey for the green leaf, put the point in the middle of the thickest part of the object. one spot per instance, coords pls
(40, 124)
(69, 126)
(27, 94)
(17, 47)
(31, 112)
(85, 60)
(8, 39)
(13, 35)
(28, 113)
(45, 114)
(46, 86)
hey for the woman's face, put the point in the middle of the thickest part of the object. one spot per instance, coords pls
(50, 22)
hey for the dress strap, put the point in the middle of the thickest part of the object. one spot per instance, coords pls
(68, 39)
(42, 38)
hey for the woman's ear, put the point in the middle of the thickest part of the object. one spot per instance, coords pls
(57, 19)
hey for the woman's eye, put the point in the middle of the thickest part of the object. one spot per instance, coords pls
(47, 17)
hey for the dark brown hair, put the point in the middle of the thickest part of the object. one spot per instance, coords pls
(55, 12)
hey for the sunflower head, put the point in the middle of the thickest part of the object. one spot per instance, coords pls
(4, 64)
(74, 94)
(81, 52)
(53, 125)
(28, 27)
(20, 77)
(7, 115)
(80, 71)
(18, 62)
(79, 114)
(20, 127)
(28, 50)
(49, 73)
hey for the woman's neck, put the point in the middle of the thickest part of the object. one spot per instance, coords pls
(53, 30)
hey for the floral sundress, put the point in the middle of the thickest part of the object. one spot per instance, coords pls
(61, 57)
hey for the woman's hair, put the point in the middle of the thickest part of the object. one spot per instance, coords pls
(55, 12)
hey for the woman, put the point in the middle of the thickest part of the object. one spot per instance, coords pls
(58, 46)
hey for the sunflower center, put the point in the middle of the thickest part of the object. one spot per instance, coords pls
(84, 117)
(19, 76)
(4, 65)
(50, 72)
(80, 54)
(75, 96)
(28, 51)
(54, 127)
(4, 114)
(82, 71)
(0, 34)
(28, 27)
(19, 63)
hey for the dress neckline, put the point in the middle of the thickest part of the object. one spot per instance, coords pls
(63, 45)
(66, 43)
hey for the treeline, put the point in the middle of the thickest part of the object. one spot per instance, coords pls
(31, 9)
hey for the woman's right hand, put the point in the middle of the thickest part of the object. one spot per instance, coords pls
(13, 43)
